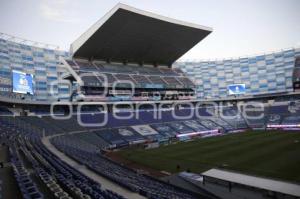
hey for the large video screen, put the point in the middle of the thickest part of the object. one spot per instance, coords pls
(236, 89)
(22, 82)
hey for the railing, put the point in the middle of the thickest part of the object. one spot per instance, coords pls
(239, 57)
(28, 42)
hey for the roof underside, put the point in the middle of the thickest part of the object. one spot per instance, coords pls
(132, 35)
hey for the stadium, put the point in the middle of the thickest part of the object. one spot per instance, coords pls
(119, 116)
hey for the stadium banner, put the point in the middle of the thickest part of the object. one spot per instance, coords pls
(22, 82)
(144, 130)
(236, 89)
(280, 126)
(200, 133)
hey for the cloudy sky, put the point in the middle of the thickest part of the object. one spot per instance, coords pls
(241, 27)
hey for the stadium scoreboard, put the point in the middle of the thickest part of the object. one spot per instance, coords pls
(22, 82)
(236, 89)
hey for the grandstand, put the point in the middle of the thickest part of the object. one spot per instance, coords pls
(145, 61)
(64, 114)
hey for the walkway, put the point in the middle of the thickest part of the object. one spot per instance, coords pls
(106, 184)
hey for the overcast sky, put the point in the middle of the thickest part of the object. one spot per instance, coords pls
(241, 27)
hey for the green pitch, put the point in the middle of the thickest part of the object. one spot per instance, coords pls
(270, 154)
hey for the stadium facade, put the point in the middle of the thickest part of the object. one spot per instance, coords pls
(262, 74)
(265, 74)
(32, 58)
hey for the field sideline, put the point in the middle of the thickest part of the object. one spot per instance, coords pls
(271, 154)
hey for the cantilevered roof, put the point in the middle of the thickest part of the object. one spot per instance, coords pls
(129, 34)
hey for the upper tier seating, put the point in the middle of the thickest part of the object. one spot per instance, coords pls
(150, 71)
(157, 80)
(185, 81)
(72, 64)
(172, 81)
(139, 74)
(168, 71)
(133, 69)
(123, 77)
(85, 65)
(140, 79)
(178, 71)
(116, 68)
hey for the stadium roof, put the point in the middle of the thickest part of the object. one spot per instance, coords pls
(129, 34)
(253, 181)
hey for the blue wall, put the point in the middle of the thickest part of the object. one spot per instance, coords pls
(42, 63)
(267, 73)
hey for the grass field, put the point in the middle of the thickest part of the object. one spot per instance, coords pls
(271, 154)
